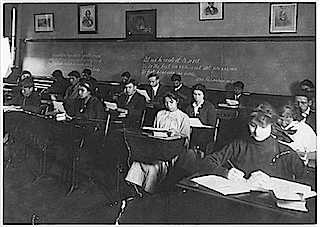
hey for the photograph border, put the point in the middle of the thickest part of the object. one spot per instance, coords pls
(82, 8)
(218, 16)
(293, 17)
(48, 28)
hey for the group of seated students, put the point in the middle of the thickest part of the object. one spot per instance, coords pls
(278, 145)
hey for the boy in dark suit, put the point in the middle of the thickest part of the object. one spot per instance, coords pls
(131, 105)
(303, 102)
(183, 92)
(156, 92)
(238, 94)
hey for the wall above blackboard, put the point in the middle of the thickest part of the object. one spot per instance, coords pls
(266, 67)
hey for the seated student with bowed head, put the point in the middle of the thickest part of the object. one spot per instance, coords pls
(89, 107)
(237, 94)
(303, 103)
(131, 104)
(72, 93)
(309, 87)
(207, 114)
(303, 137)
(184, 93)
(120, 90)
(86, 74)
(60, 84)
(27, 98)
(259, 157)
(149, 175)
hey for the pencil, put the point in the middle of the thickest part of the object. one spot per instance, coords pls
(231, 163)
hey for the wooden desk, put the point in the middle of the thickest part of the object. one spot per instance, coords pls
(41, 132)
(198, 205)
(144, 148)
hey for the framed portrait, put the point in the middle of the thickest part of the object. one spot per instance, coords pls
(43, 22)
(283, 18)
(87, 19)
(211, 11)
(141, 24)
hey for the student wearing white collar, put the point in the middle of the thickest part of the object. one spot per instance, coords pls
(182, 91)
(304, 139)
(206, 112)
(303, 102)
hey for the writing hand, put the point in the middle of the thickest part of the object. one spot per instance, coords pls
(173, 132)
(236, 175)
(259, 179)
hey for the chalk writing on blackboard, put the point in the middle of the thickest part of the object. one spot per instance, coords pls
(87, 60)
(181, 65)
(213, 80)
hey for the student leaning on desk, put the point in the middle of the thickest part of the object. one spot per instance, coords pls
(27, 98)
(259, 157)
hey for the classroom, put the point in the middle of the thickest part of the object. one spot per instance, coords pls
(159, 113)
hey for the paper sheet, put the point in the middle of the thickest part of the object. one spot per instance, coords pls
(58, 106)
(196, 123)
(111, 105)
(12, 108)
(144, 93)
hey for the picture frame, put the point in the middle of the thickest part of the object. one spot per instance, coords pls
(141, 24)
(211, 11)
(283, 18)
(43, 22)
(87, 19)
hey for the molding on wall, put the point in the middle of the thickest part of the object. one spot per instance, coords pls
(212, 39)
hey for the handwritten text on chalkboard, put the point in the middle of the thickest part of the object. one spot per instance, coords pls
(76, 59)
(181, 65)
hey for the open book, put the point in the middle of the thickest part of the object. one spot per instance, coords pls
(12, 108)
(290, 195)
(58, 106)
(196, 123)
(145, 94)
(111, 105)
(157, 132)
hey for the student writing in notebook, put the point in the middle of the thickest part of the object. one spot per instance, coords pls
(259, 157)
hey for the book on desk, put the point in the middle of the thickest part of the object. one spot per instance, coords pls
(288, 194)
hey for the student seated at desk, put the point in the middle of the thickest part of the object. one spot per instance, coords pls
(206, 112)
(184, 93)
(303, 103)
(238, 95)
(259, 157)
(131, 105)
(72, 93)
(89, 108)
(156, 92)
(27, 98)
(304, 138)
(149, 175)
(60, 84)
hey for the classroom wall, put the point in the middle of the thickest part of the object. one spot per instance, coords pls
(173, 20)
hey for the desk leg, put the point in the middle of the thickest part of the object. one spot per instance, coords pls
(75, 160)
(42, 165)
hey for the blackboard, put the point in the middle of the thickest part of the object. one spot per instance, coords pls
(266, 67)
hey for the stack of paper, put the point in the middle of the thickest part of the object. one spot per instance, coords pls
(289, 195)
(111, 105)
(145, 94)
(196, 123)
(12, 108)
(157, 132)
(58, 107)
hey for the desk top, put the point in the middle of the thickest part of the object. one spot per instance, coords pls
(146, 148)
(264, 200)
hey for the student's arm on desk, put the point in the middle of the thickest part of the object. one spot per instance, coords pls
(215, 162)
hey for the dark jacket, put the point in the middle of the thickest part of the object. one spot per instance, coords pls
(158, 99)
(201, 137)
(185, 96)
(92, 112)
(31, 103)
(311, 120)
(269, 156)
(135, 107)
(243, 100)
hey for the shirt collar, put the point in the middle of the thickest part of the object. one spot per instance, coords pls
(177, 88)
